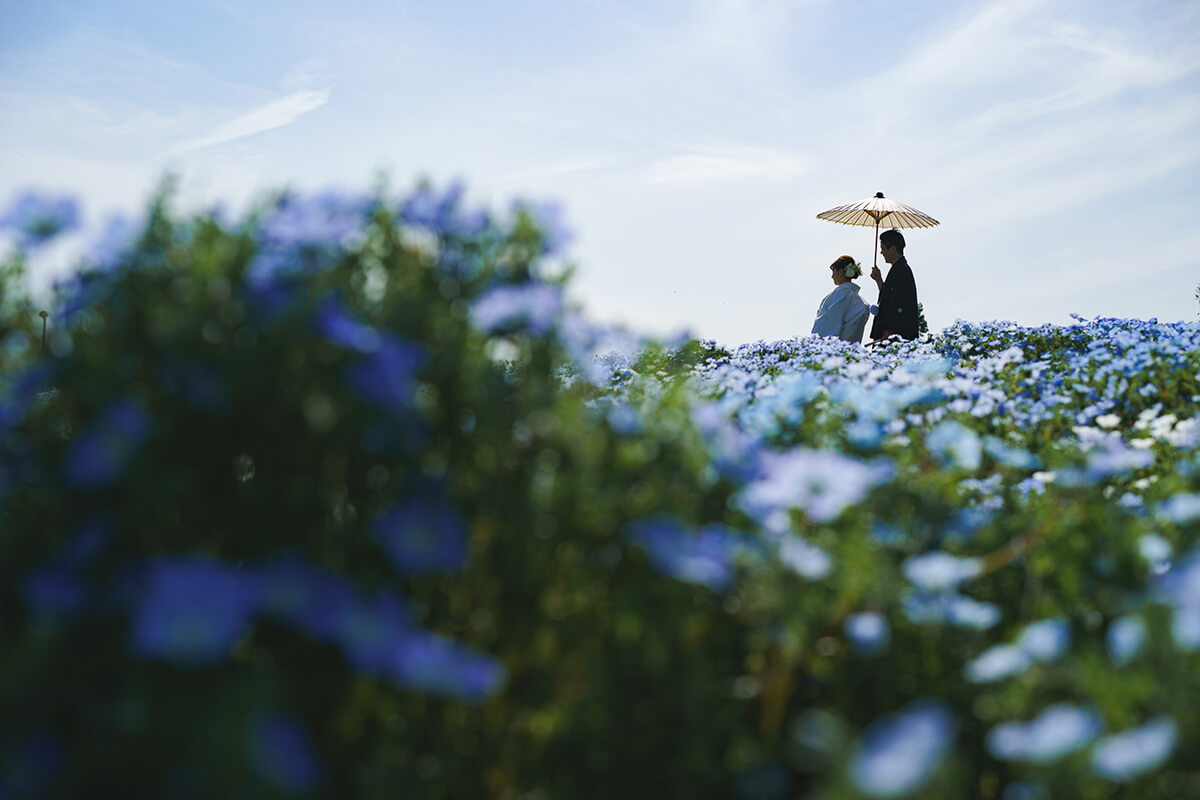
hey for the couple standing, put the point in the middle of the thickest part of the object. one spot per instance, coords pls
(844, 314)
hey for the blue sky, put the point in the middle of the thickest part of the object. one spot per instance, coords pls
(691, 144)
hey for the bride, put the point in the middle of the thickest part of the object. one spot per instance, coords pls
(843, 313)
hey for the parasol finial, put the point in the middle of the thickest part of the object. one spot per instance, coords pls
(879, 194)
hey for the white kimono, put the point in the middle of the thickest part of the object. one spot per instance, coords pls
(842, 313)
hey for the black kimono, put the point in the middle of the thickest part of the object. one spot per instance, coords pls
(897, 303)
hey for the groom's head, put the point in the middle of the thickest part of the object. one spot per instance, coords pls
(891, 245)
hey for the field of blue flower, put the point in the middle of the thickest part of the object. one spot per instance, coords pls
(345, 498)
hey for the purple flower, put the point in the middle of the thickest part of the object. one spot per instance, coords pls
(115, 242)
(37, 218)
(306, 235)
(436, 665)
(54, 592)
(192, 610)
(423, 536)
(103, 451)
(335, 324)
(441, 213)
(282, 753)
(704, 557)
(301, 595)
(87, 542)
(898, 753)
(370, 632)
(547, 217)
(22, 391)
(532, 307)
(387, 377)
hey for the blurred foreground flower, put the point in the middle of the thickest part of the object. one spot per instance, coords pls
(898, 753)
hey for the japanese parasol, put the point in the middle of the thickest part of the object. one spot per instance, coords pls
(875, 210)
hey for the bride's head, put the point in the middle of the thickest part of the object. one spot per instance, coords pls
(844, 269)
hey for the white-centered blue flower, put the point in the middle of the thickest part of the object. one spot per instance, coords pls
(1057, 731)
(868, 632)
(821, 483)
(1047, 639)
(1124, 638)
(806, 560)
(954, 444)
(997, 663)
(898, 753)
(1181, 508)
(1125, 756)
(939, 571)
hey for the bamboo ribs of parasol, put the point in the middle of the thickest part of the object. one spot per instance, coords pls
(873, 211)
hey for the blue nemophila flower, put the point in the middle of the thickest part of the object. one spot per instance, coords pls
(532, 307)
(21, 392)
(1185, 627)
(1124, 639)
(997, 663)
(956, 445)
(36, 218)
(87, 541)
(100, 454)
(822, 483)
(1009, 456)
(1180, 585)
(334, 323)
(1114, 458)
(547, 216)
(387, 377)
(1181, 508)
(803, 558)
(369, 632)
(734, 453)
(304, 235)
(1057, 731)
(1046, 640)
(442, 214)
(54, 592)
(192, 609)
(1125, 756)
(947, 608)
(898, 753)
(705, 557)
(115, 242)
(1156, 551)
(421, 536)
(939, 571)
(868, 632)
(282, 754)
(299, 594)
(436, 665)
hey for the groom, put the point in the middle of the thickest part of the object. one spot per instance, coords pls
(897, 315)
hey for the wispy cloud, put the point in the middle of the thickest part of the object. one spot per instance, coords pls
(707, 167)
(275, 114)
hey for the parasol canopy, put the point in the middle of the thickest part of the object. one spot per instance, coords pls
(872, 211)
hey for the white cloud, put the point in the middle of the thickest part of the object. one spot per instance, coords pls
(275, 114)
(707, 167)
